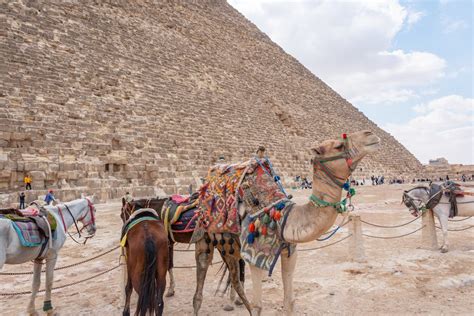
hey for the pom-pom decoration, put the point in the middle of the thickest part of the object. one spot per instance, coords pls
(346, 186)
(266, 219)
(264, 230)
(250, 238)
(277, 216)
(257, 223)
(344, 136)
(251, 227)
(277, 178)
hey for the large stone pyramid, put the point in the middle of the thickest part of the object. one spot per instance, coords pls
(107, 95)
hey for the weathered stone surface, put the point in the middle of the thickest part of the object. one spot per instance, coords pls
(118, 94)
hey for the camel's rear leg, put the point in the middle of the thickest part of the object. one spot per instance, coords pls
(203, 254)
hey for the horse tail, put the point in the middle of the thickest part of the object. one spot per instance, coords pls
(148, 287)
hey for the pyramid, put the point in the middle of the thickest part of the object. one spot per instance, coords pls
(106, 96)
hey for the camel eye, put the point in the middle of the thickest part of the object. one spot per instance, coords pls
(339, 146)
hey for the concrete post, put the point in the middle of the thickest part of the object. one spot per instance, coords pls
(428, 233)
(356, 244)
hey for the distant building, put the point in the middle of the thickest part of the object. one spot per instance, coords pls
(439, 162)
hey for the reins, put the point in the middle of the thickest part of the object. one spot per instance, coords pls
(91, 222)
(318, 164)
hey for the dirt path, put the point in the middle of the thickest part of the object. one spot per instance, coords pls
(399, 277)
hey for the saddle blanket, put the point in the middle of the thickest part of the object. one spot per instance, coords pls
(142, 215)
(180, 214)
(267, 209)
(32, 231)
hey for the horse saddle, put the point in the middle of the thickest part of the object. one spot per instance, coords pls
(453, 190)
(32, 231)
(143, 214)
(178, 213)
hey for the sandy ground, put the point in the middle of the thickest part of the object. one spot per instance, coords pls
(400, 277)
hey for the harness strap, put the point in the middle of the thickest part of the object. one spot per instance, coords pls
(62, 218)
(284, 244)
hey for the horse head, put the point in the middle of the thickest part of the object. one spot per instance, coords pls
(415, 200)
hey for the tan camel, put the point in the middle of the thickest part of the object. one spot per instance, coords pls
(333, 163)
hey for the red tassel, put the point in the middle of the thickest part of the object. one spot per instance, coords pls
(264, 230)
(277, 216)
(349, 162)
(344, 136)
(251, 227)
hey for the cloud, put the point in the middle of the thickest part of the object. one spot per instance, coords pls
(451, 25)
(348, 44)
(443, 128)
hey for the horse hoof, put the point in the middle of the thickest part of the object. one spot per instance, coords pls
(169, 293)
(238, 302)
(256, 311)
(228, 308)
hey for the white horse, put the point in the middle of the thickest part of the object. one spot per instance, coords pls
(417, 198)
(12, 252)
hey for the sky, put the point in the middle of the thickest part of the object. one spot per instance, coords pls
(408, 65)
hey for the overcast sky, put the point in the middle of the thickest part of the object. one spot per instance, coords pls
(408, 65)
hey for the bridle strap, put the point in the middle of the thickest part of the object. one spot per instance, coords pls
(74, 220)
(62, 218)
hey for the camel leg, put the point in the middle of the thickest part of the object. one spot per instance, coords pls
(50, 264)
(203, 260)
(232, 263)
(170, 270)
(288, 265)
(443, 221)
(35, 288)
(234, 299)
(128, 294)
(256, 274)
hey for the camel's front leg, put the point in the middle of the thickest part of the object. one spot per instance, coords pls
(256, 275)
(443, 221)
(50, 264)
(35, 288)
(287, 272)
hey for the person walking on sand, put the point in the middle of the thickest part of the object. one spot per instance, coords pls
(22, 200)
(27, 181)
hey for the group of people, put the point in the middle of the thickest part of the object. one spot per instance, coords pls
(377, 180)
(27, 180)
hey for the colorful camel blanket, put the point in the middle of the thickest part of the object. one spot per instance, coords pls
(267, 208)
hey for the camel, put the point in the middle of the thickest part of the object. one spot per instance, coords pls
(333, 163)
(416, 200)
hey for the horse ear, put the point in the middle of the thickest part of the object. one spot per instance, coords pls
(123, 202)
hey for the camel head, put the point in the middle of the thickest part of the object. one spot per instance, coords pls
(338, 158)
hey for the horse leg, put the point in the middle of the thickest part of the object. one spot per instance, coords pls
(35, 288)
(128, 294)
(287, 272)
(170, 269)
(443, 221)
(50, 264)
(232, 262)
(203, 260)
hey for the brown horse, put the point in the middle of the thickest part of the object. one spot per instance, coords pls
(180, 237)
(146, 252)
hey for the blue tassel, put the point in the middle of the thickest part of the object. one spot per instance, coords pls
(277, 178)
(346, 186)
(280, 206)
(250, 238)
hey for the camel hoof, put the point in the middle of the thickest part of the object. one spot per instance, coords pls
(256, 311)
(444, 249)
(33, 313)
(238, 302)
(228, 308)
(169, 293)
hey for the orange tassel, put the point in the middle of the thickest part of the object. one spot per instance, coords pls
(251, 227)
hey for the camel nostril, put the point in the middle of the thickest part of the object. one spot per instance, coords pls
(367, 133)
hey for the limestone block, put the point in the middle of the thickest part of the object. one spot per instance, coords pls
(37, 175)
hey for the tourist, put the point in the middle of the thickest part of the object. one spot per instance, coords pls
(127, 197)
(27, 181)
(22, 200)
(49, 198)
(261, 152)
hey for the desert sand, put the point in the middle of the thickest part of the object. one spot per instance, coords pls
(400, 276)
